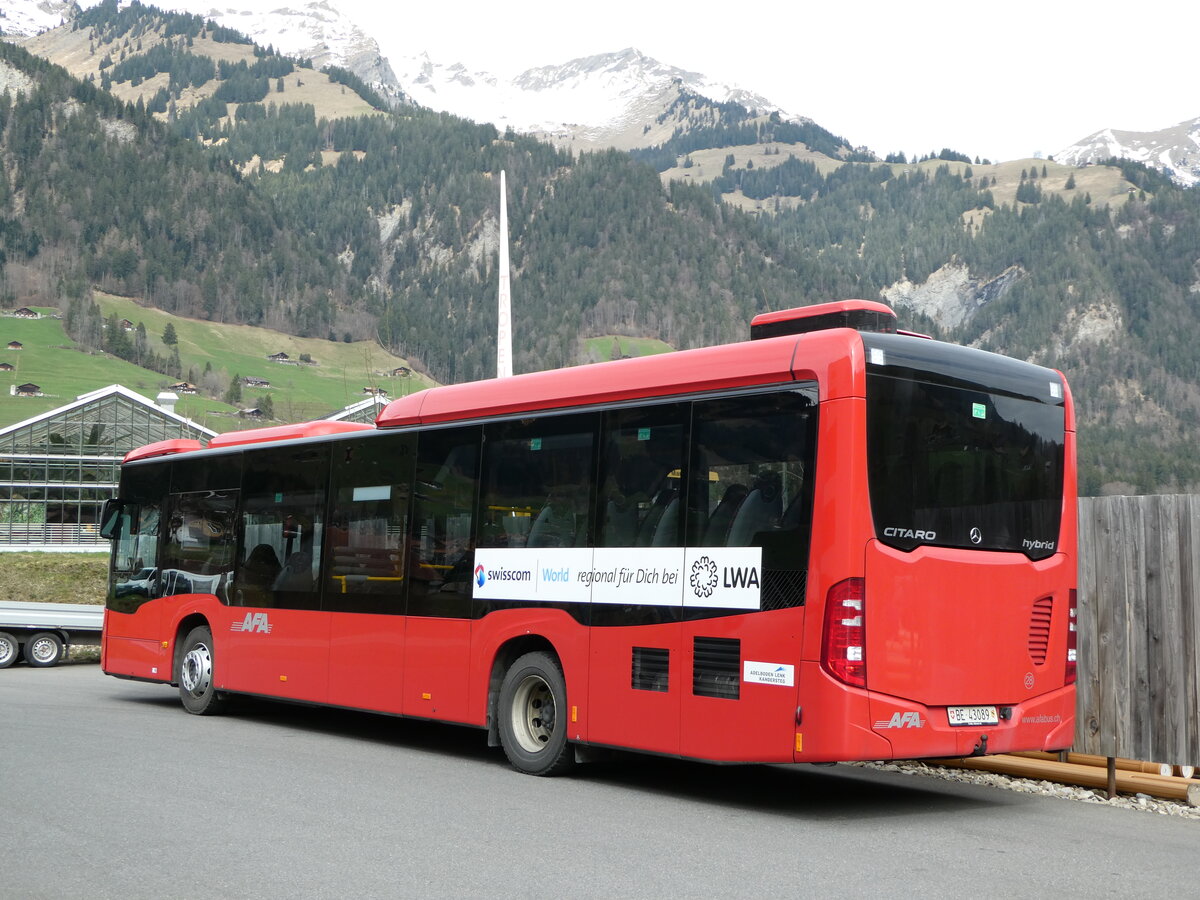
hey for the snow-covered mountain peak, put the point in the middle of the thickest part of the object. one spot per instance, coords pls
(1175, 150)
(629, 64)
(25, 18)
(607, 99)
(603, 99)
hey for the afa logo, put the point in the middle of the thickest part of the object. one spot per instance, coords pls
(704, 577)
(480, 576)
(253, 622)
(902, 720)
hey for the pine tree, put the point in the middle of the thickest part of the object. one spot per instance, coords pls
(233, 396)
(168, 336)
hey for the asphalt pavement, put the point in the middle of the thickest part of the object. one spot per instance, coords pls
(108, 789)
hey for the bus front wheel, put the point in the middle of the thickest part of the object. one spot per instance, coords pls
(532, 716)
(194, 673)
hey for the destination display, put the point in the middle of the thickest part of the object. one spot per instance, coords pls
(724, 577)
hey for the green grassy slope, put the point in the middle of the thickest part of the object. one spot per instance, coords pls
(63, 371)
(600, 349)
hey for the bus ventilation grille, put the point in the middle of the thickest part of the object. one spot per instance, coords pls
(1039, 630)
(716, 667)
(651, 669)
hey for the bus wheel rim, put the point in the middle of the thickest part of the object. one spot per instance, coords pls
(533, 714)
(196, 670)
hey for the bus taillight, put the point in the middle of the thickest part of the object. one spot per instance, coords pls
(1072, 635)
(843, 639)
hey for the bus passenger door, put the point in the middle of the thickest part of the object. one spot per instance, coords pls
(365, 548)
(437, 635)
(278, 636)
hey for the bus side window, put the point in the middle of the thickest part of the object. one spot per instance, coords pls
(368, 523)
(282, 527)
(444, 496)
(538, 480)
(752, 484)
(640, 483)
(198, 553)
(134, 576)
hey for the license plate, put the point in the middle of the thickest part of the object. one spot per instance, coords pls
(973, 715)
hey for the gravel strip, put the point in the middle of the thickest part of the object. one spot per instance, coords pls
(1142, 802)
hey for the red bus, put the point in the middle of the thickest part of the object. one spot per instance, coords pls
(818, 545)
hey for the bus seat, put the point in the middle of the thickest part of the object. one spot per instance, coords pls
(555, 525)
(758, 512)
(666, 533)
(716, 532)
(297, 574)
(649, 527)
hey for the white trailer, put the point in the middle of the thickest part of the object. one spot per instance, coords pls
(44, 632)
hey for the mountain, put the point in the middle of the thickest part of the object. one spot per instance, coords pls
(316, 31)
(190, 170)
(620, 99)
(623, 99)
(1174, 151)
(24, 18)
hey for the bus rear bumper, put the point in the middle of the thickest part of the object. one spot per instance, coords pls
(1045, 722)
(840, 724)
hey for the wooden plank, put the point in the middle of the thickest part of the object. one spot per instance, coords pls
(1104, 617)
(1152, 512)
(1171, 728)
(1189, 615)
(1128, 692)
(1088, 687)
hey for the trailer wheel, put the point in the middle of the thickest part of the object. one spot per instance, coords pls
(532, 716)
(194, 673)
(44, 649)
(9, 649)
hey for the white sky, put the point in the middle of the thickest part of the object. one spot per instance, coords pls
(996, 79)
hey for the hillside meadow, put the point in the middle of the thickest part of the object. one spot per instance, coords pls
(51, 360)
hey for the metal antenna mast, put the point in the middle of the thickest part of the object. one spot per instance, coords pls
(504, 318)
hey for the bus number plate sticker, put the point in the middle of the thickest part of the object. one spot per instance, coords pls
(973, 715)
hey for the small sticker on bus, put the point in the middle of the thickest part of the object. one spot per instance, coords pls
(768, 673)
(978, 410)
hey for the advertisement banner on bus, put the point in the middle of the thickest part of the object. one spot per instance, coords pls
(725, 577)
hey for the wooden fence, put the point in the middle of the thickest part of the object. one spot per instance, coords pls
(1139, 628)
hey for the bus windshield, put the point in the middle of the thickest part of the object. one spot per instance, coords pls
(956, 465)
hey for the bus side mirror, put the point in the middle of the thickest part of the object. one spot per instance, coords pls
(110, 518)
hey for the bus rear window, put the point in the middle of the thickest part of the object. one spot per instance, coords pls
(956, 466)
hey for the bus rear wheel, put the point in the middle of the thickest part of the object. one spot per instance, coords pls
(194, 673)
(532, 716)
